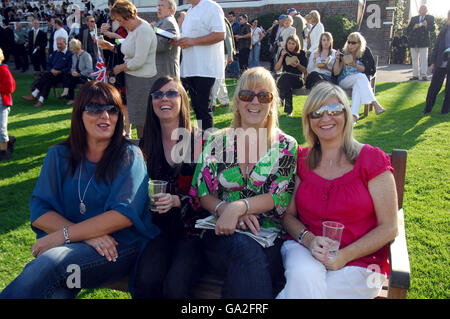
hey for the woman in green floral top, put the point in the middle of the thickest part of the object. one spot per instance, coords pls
(246, 176)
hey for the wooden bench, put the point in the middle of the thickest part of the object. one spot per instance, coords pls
(210, 284)
(367, 107)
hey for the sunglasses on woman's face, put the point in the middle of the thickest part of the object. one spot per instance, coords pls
(171, 94)
(248, 96)
(95, 109)
(332, 110)
(352, 42)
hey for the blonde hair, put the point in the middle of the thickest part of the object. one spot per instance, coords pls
(318, 95)
(2, 57)
(315, 16)
(357, 37)
(250, 79)
(75, 44)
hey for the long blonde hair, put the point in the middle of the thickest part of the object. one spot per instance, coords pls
(318, 95)
(357, 37)
(250, 79)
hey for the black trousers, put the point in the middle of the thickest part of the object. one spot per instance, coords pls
(437, 80)
(199, 89)
(168, 267)
(70, 82)
(21, 57)
(286, 83)
(46, 82)
(243, 59)
(38, 60)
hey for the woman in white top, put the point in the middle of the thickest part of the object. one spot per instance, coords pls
(257, 36)
(321, 61)
(139, 50)
(317, 28)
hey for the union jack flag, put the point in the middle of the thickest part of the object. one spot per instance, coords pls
(100, 73)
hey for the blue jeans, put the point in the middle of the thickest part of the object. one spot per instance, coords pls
(233, 68)
(253, 59)
(62, 271)
(251, 271)
(4, 111)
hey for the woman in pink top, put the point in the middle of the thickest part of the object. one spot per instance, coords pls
(338, 179)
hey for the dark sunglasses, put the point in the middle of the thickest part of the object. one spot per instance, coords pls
(332, 110)
(352, 42)
(248, 96)
(98, 109)
(171, 94)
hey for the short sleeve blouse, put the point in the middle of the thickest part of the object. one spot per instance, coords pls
(345, 199)
(218, 173)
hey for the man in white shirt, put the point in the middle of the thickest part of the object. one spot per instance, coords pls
(59, 33)
(203, 32)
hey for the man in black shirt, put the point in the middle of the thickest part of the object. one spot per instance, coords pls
(244, 41)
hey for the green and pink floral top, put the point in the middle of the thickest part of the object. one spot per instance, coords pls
(218, 172)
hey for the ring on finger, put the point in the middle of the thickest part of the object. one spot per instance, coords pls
(241, 223)
(100, 244)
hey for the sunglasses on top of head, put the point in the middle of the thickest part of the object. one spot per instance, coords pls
(98, 109)
(332, 110)
(171, 94)
(248, 96)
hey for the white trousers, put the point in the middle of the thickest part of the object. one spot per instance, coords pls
(307, 278)
(361, 91)
(419, 59)
(219, 90)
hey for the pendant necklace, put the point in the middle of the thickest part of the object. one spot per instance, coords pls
(82, 205)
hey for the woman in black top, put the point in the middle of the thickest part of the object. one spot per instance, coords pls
(171, 262)
(294, 62)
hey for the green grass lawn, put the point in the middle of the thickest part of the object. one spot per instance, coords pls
(427, 187)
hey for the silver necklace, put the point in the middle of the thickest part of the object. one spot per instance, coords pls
(82, 205)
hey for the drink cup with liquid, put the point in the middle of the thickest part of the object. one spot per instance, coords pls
(333, 231)
(155, 187)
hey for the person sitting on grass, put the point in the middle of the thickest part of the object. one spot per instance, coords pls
(7, 87)
(89, 206)
(59, 62)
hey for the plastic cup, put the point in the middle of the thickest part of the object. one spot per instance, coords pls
(155, 187)
(333, 231)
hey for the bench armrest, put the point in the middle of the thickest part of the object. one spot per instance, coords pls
(399, 259)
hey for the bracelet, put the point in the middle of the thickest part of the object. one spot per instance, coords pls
(302, 234)
(246, 204)
(66, 234)
(216, 210)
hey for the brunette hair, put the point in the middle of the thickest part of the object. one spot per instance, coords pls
(330, 38)
(298, 45)
(124, 9)
(151, 144)
(113, 155)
